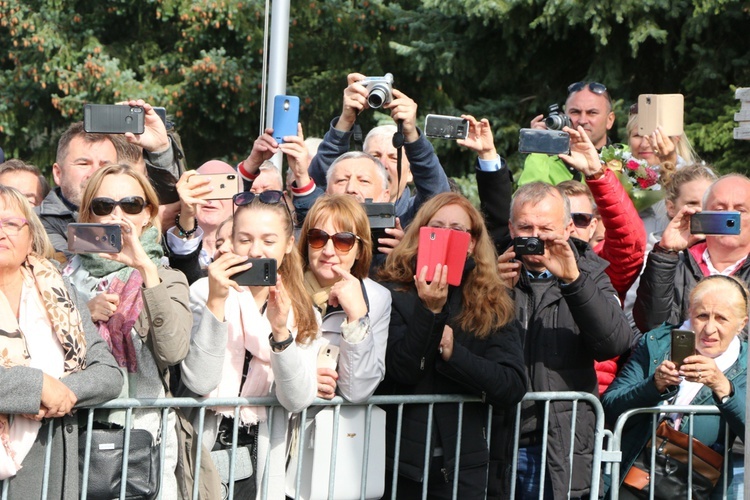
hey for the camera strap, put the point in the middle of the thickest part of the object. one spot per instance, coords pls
(398, 143)
(357, 135)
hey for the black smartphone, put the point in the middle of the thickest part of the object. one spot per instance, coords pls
(528, 245)
(94, 238)
(262, 273)
(446, 127)
(709, 222)
(683, 345)
(381, 216)
(113, 119)
(549, 142)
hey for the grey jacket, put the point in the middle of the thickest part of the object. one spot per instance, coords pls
(100, 381)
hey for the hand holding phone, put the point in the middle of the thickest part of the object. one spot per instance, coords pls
(683, 345)
(661, 110)
(262, 273)
(443, 246)
(328, 356)
(715, 222)
(549, 142)
(446, 127)
(94, 238)
(285, 116)
(223, 186)
(113, 119)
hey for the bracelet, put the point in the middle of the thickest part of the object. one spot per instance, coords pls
(183, 232)
(280, 346)
(661, 249)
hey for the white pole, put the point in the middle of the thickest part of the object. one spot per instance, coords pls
(277, 61)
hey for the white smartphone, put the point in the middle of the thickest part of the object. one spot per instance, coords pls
(328, 356)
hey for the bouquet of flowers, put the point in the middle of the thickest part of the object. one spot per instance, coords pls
(638, 178)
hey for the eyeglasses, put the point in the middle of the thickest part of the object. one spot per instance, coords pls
(455, 227)
(130, 205)
(596, 88)
(581, 219)
(343, 241)
(11, 226)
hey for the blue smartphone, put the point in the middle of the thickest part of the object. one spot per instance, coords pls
(721, 222)
(285, 116)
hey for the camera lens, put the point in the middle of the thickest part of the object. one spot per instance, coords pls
(730, 223)
(376, 97)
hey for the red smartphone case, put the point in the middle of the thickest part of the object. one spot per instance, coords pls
(443, 246)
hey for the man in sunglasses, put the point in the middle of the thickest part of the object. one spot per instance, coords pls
(588, 105)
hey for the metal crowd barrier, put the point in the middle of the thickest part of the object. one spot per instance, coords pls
(608, 457)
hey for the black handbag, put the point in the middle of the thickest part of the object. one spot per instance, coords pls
(105, 464)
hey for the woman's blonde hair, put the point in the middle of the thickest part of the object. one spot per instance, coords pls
(290, 271)
(40, 242)
(486, 305)
(346, 213)
(95, 182)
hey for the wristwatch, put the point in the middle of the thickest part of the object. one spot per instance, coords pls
(280, 346)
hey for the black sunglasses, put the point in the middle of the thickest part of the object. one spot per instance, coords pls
(596, 88)
(343, 241)
(130, 205)
(581, 220)
(270, 197)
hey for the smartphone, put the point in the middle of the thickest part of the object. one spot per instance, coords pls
(549, 142)
(225, 185)
(162, 112)
(113, 119)
(285, 116)
(94, 238)
(709, 222)
(683, 345)
(328, 356)
(262, 273)
(446, 127)
(381, 216)
(661, 110)
(443, 246)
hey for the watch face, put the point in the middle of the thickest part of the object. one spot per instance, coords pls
(724, 399)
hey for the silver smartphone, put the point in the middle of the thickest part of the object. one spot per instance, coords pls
(94, 238)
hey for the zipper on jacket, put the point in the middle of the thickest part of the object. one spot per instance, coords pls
(421, 364)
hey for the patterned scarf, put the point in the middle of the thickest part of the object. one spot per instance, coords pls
(319, 294)
(66, 323)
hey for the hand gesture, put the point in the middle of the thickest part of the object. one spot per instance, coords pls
(154, 138)
(559, 258)
(663, 146)
(355, 101)
(347, 292)
(446, 343)
(583, 155)
(327, 383)
(277, 311)
(702, 369)
(676, 235)
(666, 374)
(264, 148)
(103, 306)
(434, 295)
(297, 156)
(388, 244)
(480, 138)
(508, 268)
(404, 108)
(57, 399)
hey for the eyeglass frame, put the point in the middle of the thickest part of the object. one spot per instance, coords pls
(3, 226)
(118, 203)
(332, 237)
(595, 87)
(259, 196)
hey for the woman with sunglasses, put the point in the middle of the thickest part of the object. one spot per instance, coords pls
(450, 340)
(336, 249)
(140, 307)
(251, 341)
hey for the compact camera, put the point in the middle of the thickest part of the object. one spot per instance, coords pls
(379, 90)
(556, 119)
(528, 245)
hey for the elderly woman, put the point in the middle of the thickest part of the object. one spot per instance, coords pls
(49, 365)
(715, 375)
(449, 340)
(140, 307)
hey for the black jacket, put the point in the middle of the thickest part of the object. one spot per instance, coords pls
(573, 325)
(491, 367)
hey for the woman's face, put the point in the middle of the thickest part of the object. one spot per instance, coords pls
(223, 240)
(691, 194)
(118, 187)
(261, 233)
(641, 149)
(322, 260)
(15, 237)
(716, 321)
(453, 217)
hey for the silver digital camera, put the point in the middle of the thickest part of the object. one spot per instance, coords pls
(379, 89)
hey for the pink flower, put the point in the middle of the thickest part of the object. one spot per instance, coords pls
(649, 179)
(633, 164)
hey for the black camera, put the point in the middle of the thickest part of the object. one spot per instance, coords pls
(379, 89)
(528, 245)
(556, 119)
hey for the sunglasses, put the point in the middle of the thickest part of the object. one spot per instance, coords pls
(596, 88)
(130, 205)
(343, 241)
(270, 197)
(581, 219)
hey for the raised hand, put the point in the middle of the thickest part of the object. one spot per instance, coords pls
(154, 138)
(480, 138)
(434, 295)
(347, 292)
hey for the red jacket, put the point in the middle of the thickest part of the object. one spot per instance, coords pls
(624, 247)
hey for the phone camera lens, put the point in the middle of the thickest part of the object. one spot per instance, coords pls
(432, 236)
(730, 223)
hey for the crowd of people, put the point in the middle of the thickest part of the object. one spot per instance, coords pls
(592, 312)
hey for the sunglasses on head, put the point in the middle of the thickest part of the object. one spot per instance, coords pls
(343, 241)
(130, 205)
(596, 88)
(581, 219)
(270, 197)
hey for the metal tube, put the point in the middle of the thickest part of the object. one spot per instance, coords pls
(277, 61)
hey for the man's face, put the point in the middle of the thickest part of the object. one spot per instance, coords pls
(730, 194)
(544, 218)
(83, 159)
(358, 177)
(26, 182)
(581, 204)
(590, 111)
(381, 147)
